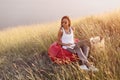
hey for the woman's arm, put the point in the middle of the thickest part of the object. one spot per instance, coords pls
(59, 38)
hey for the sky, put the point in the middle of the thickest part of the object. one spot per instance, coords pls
(26, 12)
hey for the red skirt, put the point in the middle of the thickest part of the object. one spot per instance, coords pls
(61, 56)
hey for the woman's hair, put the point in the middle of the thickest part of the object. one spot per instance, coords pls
(66, 17)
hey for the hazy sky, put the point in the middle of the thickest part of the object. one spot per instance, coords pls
(20, 12)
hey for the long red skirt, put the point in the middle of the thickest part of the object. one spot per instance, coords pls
(61, 56)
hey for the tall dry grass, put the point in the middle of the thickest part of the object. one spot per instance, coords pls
(23, 50)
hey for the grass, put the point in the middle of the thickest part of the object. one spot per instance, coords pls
(23, 50)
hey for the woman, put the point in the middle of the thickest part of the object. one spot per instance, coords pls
(66, 39)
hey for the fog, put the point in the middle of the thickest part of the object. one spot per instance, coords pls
(27, 12)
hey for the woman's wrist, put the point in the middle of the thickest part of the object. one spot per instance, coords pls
(64, 44)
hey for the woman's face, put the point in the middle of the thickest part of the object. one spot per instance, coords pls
(65, 22)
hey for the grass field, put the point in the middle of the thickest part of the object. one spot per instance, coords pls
(23, 50)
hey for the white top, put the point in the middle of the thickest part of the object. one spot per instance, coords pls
(68, 38)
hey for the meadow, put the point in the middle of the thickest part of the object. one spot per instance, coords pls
(24, 50)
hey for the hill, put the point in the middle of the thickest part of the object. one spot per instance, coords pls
(23, 50)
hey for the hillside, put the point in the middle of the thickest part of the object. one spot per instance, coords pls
(23, 50)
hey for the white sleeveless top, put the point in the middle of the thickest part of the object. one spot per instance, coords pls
(68, 38)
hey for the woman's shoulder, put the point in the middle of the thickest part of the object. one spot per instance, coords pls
(61, 30)
(73, 28)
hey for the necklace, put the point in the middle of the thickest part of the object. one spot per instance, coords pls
(68, 32)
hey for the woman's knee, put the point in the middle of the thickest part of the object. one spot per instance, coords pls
(76, 46)
(85, 47)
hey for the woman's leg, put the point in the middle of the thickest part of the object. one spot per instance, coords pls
(85, 47)
(82, 57)
(80, 54)
(85, 50)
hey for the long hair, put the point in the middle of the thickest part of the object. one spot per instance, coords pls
(66, 17)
